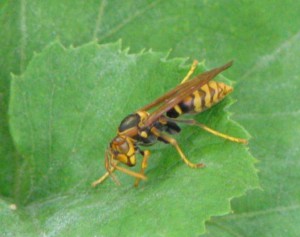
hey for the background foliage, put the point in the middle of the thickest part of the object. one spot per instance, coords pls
(261, 36)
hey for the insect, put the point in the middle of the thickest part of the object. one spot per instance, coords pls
(144, 128)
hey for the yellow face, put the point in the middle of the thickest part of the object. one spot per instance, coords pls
(123, 150)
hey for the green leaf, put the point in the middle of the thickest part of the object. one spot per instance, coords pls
(274, 124)
(66, 108)
(253, 33)
(14, 221)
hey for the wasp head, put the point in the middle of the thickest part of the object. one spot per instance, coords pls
(123, 149)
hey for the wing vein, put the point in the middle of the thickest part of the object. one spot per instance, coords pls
(180, 92)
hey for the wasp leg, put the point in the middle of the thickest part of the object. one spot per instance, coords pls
(131, 173)
(124, 170)
(190, 72)
(174, 143)
(144, 165)
(110, 167)
(109, 172)
(104, 177)
(212, 131)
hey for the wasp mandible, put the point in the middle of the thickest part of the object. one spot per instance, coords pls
(144, 128)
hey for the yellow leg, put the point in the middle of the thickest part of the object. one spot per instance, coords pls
(124, 170)
(101, 179)
(174, 143)
(212, 131)
(191, 71)
(110, 167)
(131, 173)
(144, 165)
(105, 176)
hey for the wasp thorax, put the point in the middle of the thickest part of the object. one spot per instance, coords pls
(130, 121)
(133, 121)
(143, 117)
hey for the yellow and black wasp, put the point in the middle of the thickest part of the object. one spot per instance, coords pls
(144, 128)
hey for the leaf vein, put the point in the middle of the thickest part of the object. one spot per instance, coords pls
(269, 115)
(50, 124)
(23, 29)
(226, 229)
(99, 18)
(31, 153)
(263, 212)
(132, 17)
(266, 59)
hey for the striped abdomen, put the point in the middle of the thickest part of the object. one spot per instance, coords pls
(202, 99)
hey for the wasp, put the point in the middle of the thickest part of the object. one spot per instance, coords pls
(144, 128)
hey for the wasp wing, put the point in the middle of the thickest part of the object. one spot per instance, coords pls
(167, 95)
(180, 92)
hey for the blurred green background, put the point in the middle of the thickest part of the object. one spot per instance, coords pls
(261, 36)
